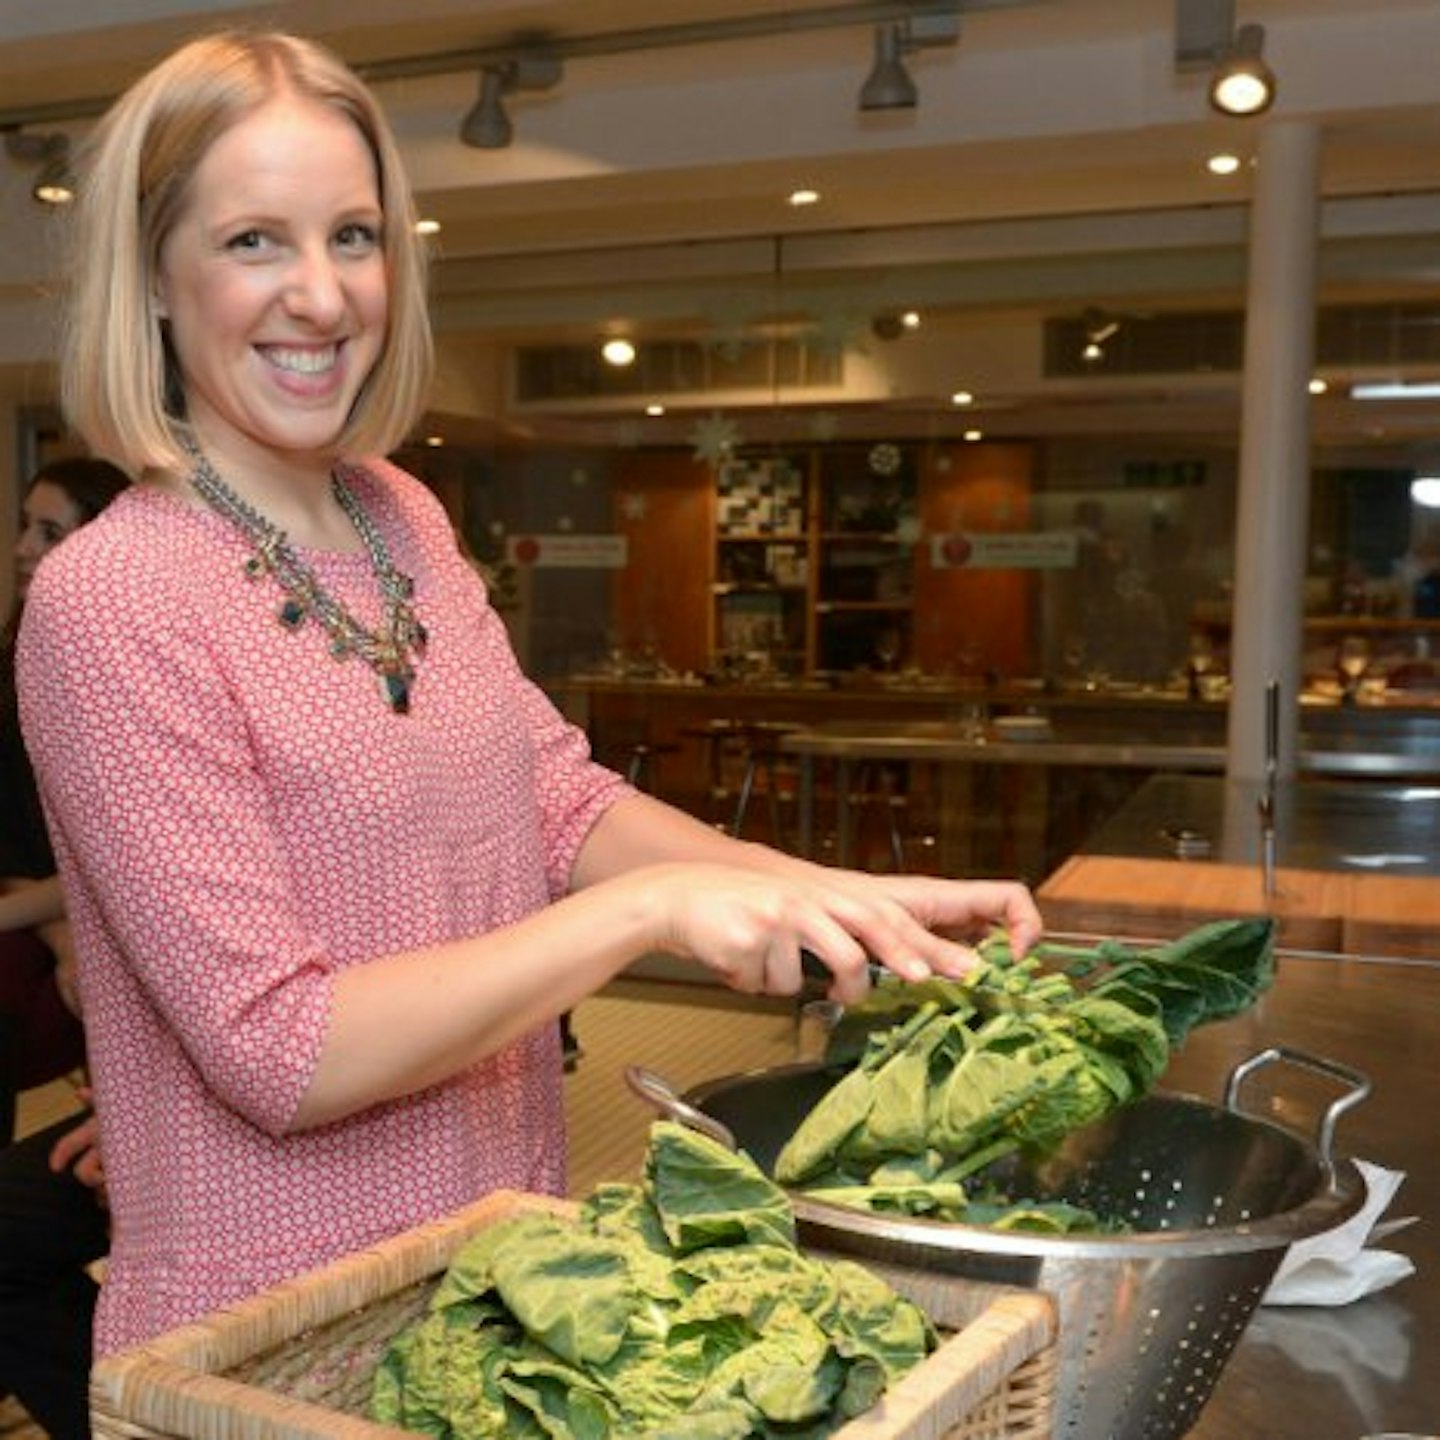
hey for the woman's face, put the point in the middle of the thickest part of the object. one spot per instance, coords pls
(273, 280)
(47, 516)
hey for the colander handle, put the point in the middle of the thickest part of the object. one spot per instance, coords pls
(664, 1097)
(1359, 1088)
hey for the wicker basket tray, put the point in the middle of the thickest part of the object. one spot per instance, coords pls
(296, 1361)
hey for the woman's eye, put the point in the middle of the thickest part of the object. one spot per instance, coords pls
(357, 239)
(248, 241)
(52, 535)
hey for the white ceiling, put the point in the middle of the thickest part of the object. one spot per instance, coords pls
(1055, 160)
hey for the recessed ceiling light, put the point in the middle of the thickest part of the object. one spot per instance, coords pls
(1425, 490)
(425, 226)
(803, 197)
(1319, 385)
(910, 319)
(1223, 164)
(973, 435)
(618, 352)
(962, 397)
(655, 410)
(434, 441)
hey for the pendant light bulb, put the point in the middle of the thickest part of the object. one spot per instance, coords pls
(1243, 84)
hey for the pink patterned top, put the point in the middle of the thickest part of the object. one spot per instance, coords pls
(237, 816)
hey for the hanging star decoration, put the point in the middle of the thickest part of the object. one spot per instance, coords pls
(729, 322)
(633, 505)
(836, 329)
(714, 438)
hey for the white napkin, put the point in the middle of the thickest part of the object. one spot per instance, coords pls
(1335, 1267)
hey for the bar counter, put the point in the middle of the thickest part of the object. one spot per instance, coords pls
(1049, 794)
(958, 749)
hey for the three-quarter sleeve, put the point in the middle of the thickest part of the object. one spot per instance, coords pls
(150, 781)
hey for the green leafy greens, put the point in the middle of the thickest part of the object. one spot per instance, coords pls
(678, 1309)
(947, 1077)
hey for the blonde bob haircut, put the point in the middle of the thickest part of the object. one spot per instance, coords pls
(119, 385)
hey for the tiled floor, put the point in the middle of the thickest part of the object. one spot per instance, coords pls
(686, 1035)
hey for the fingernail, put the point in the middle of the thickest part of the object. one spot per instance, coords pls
(917, 969)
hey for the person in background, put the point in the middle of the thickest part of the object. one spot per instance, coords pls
(40, 1036)
(51, 1226)
(335, 866)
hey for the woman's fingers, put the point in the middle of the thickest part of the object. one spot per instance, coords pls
(750, 927)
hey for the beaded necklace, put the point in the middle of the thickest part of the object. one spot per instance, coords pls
(392, 649)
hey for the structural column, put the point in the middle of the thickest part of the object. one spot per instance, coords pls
(1272, 520)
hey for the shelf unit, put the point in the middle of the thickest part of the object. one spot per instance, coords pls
(760, 584)
(814, 558)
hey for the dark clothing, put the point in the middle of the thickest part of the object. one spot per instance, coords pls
(24, 841)
(51, 1227)
(39, 1038)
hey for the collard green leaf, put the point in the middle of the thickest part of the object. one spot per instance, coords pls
(722, 1420)
(868, 1322)
(571, 1290)
(706, 1195)
(821, 1137)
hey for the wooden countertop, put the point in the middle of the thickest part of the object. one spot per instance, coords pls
(1319, 910)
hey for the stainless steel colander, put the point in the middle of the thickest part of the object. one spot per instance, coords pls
(1148, 1318)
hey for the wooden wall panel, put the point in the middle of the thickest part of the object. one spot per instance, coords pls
(664, 504)
(975, 619)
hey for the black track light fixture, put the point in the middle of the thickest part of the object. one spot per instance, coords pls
(888, 85)
(487, 124)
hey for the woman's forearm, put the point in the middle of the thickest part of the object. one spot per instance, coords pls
(407, 1021)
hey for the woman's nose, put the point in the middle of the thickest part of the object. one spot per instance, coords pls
(315, 291)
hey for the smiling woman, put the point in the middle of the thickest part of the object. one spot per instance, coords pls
(329, 933)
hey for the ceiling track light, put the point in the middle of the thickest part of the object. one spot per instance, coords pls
(1242, 83)
(54, 184)
(487, 124)
(1206, 39)
(889, 86)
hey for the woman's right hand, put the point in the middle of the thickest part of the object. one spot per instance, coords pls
(749, 926)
